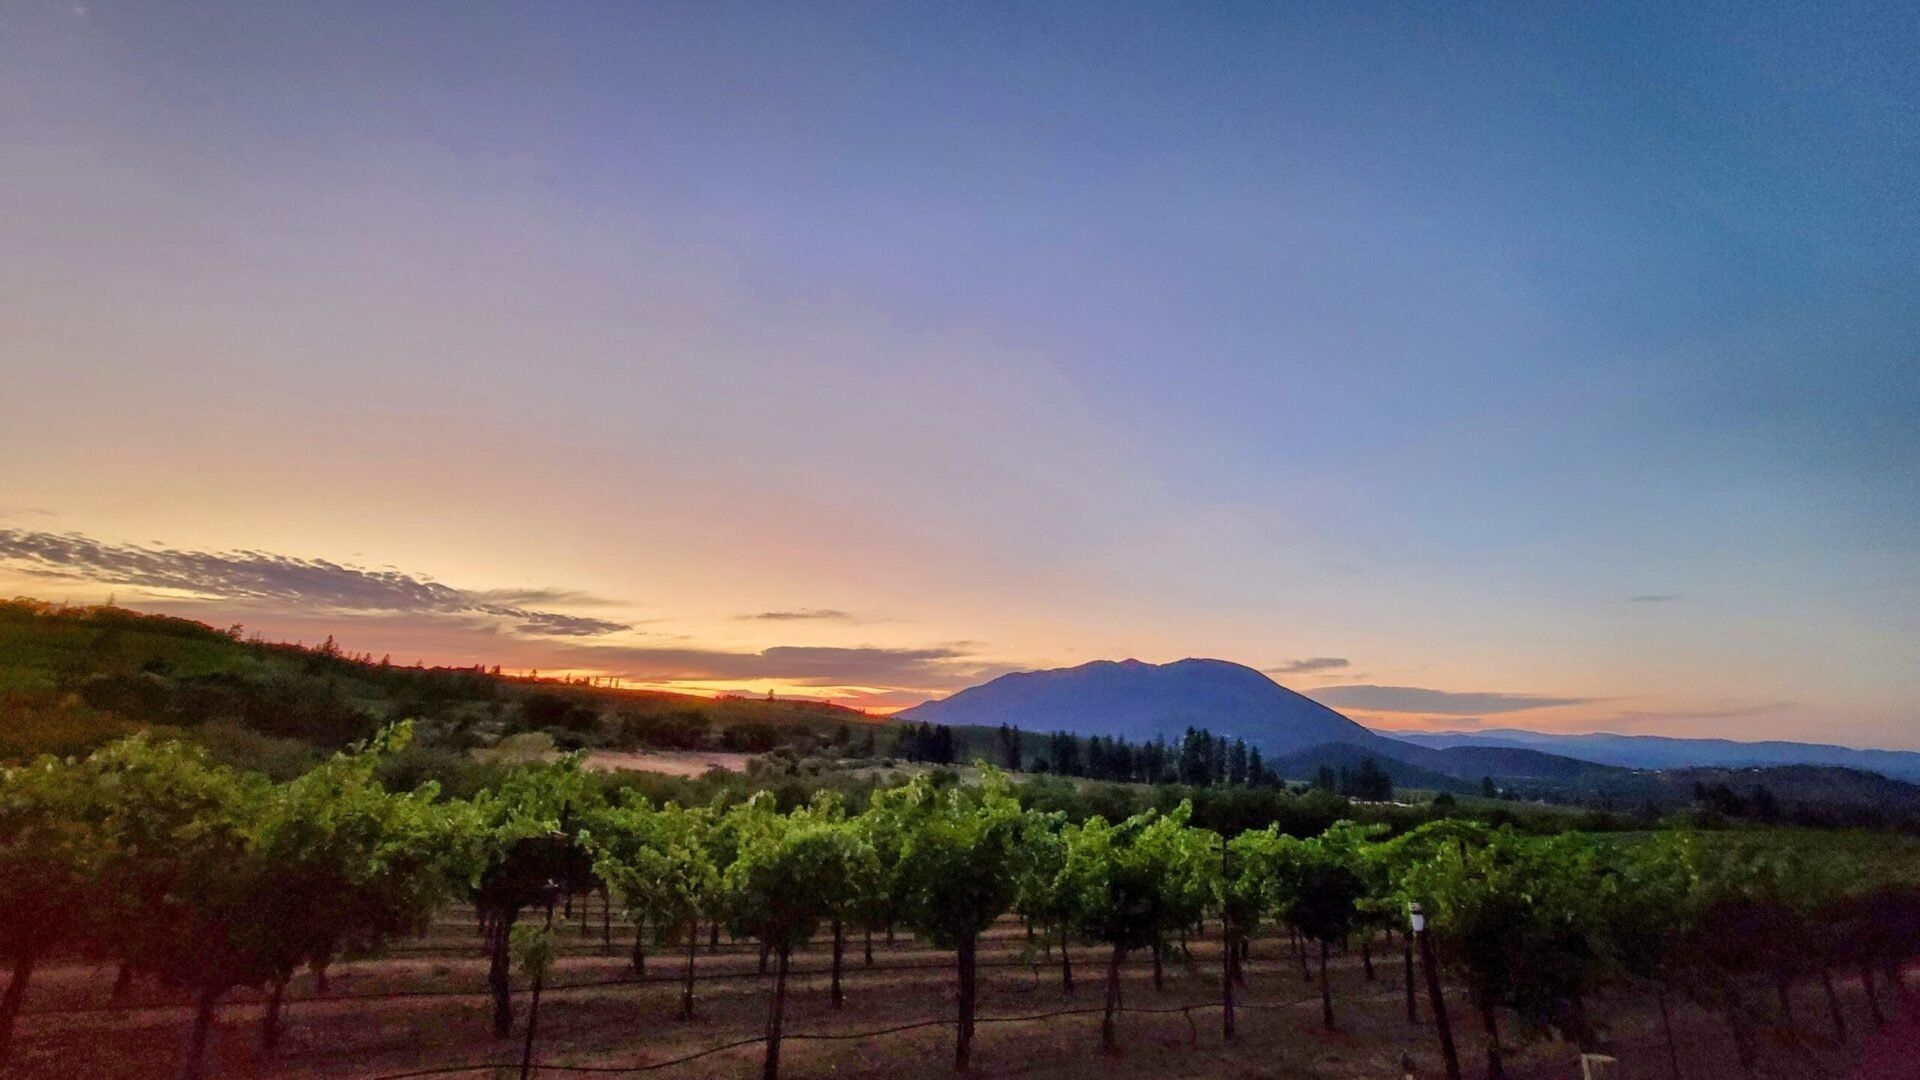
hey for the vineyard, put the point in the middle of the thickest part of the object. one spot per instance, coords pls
(170, 916)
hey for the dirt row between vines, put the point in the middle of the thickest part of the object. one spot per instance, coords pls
(427, 1009)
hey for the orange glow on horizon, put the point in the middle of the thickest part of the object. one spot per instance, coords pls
(870, 700)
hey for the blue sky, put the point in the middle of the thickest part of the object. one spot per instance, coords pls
(1423, 337)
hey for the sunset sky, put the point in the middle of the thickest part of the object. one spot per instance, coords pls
(1520, 365)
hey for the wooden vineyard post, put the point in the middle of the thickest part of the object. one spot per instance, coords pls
(1418, 919)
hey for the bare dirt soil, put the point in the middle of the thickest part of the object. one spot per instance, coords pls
(423, 1007)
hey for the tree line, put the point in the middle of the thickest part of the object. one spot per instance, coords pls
(149, 856)
(1198, 758)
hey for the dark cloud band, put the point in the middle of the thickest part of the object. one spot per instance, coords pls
(921, 669)
(1309, 665)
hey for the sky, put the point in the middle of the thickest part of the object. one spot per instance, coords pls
(1551, 366)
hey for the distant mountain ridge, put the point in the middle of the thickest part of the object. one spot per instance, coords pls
(1668, 752)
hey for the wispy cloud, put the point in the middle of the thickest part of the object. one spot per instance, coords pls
(264, 577)
(1309, 665)
(524, 597)
(411, 611)
(558, 625)
(1414, 699)
(799, 614)
(1652, 598)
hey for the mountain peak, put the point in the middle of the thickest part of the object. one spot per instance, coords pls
(1138, 700)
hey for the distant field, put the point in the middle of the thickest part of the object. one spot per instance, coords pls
(670, 762)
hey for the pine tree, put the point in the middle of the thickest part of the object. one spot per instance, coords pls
(1196, 758)
(1066, 754)
(1009, 744)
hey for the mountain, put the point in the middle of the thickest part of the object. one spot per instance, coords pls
(1140, 701)
(1664, 752)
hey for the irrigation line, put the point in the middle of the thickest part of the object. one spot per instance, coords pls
(633, 981)
(845, 1036)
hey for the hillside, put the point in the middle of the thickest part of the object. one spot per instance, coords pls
(1505, 762)
(1139, 701)
(1801, 784)
(1805, 793)
(1302, 765)
(73, 678)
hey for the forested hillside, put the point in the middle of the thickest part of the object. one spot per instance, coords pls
(73, 678)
